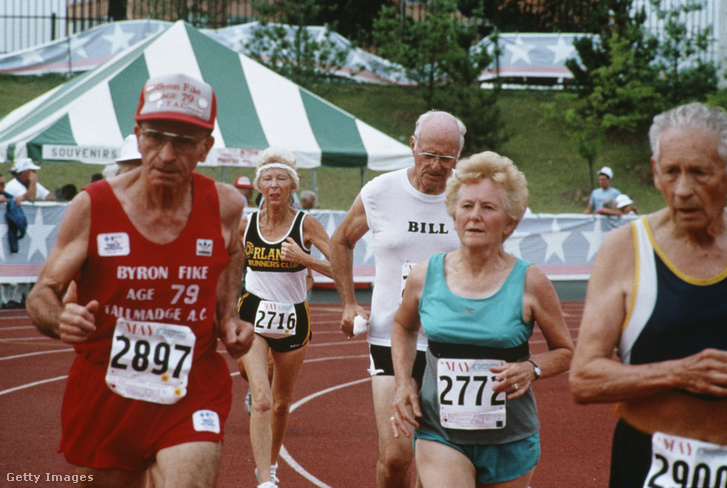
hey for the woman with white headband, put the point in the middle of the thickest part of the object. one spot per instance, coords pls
(277, 240)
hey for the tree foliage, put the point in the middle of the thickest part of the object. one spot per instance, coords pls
(283, 42)
(532, 16)
(437, 53)
(628, 75)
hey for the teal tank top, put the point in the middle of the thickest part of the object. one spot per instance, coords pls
(484, 328)
(496, 321)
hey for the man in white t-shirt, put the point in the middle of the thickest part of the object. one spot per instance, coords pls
(25, 185)
(406, 214)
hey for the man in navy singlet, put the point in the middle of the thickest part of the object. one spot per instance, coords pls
(657, 294)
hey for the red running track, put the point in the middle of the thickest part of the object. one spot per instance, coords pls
(331, 438)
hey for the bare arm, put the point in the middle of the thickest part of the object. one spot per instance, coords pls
(349, 231)
(236, 334)
(53, 315)
(404, 333)
(596, 375)
(313, 234)
(541, 304)
(30, 195)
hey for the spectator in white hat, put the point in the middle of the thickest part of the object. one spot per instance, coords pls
(604, 193)
(625, 205)
(25, 185)
(129, 158)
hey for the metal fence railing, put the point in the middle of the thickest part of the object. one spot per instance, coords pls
(28, 23)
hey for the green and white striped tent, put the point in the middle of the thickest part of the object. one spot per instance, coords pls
(87, 118)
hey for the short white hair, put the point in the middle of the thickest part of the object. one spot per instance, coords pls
(284, 159)
(690, 116)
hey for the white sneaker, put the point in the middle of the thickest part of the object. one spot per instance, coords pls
(273, 470)
(275, 480)
(267, 484)
(248, 401)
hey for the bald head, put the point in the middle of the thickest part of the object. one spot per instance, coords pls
(436, 145)
(442, 124)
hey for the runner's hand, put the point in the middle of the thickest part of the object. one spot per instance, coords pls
(76, 322)
(237, 336)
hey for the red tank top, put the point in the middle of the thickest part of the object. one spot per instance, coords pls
(136, 279)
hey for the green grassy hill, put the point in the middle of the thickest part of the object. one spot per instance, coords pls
(558, 177)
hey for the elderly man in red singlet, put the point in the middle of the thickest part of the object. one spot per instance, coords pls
(142, 281)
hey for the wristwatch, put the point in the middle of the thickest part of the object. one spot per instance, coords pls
(536, 369)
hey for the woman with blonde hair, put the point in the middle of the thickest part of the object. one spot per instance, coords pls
(277, 240)
(475, 418)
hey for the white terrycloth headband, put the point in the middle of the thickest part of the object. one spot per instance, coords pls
(260, 169)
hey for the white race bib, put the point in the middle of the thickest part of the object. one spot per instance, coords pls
(466, 399)
(678, 462)
(275, 320)
(150, 361)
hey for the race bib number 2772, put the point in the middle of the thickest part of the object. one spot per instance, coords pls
(466, 398)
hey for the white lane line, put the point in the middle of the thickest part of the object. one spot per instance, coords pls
(39, 353)
(30, 385)
(284, 452)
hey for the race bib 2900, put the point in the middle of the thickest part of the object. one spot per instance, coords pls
(680, 462)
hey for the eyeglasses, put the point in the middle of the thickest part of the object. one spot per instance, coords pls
(445, 161)
(157, 139)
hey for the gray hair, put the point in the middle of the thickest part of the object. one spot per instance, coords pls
(427, 115)
(690, 116)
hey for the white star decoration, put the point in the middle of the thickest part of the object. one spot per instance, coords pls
(32, 57)
(119, 39)
(38, 232)
(519, 50)
(512, 244)
(594, 238)
(561, 51)
(554, 241)
(78, 48)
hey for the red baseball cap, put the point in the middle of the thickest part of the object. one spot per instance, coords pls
(180, 98)
(243, 182)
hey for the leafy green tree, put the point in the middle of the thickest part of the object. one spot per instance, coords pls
(583, 129)
(629, 75)
(437, 53)
(685, 74)
(289, 48)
